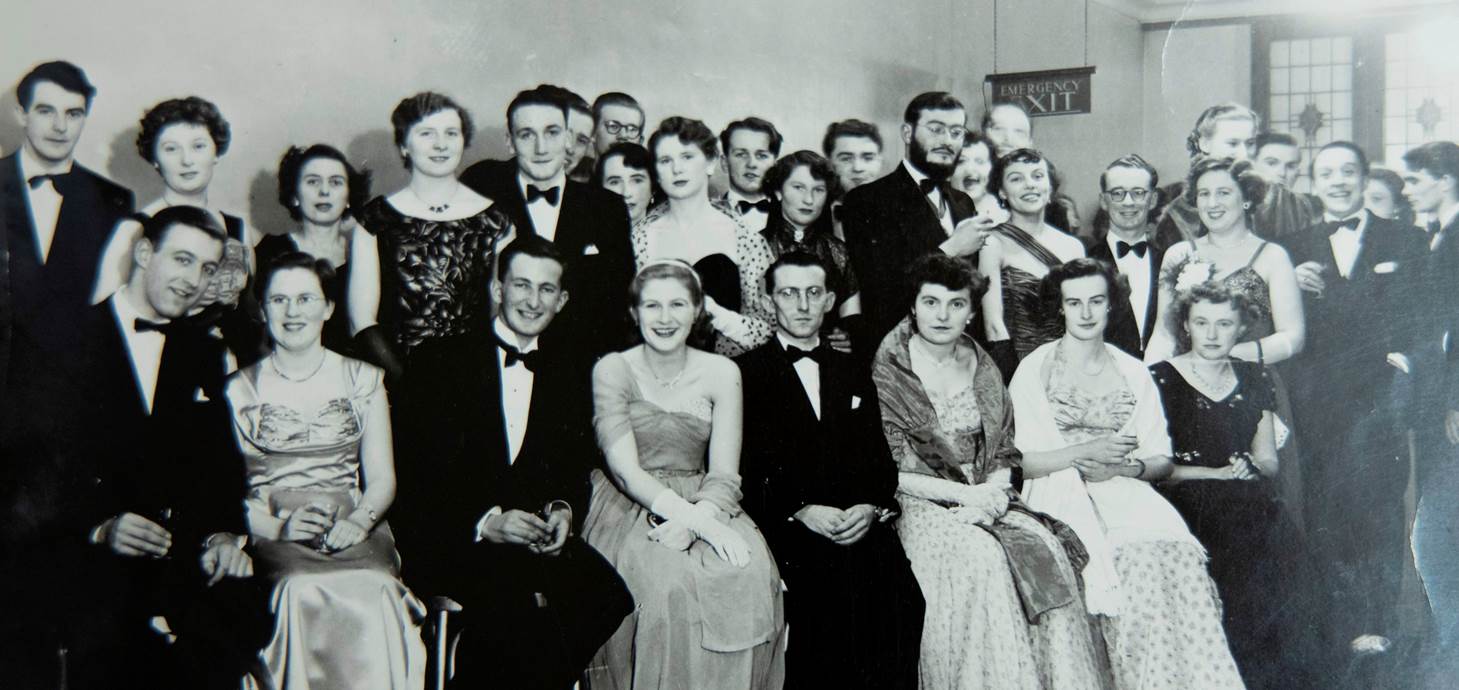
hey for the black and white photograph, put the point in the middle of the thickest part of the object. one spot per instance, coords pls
(983, 344)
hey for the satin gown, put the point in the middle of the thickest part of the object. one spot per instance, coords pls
(342, 620)
(700, 622)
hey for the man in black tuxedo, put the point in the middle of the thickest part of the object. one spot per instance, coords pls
(143, 484)
(617, 117)
(750, 146)
(495, 439)
(892, 221)
(819, 481)
(1127, 190)
(587, 223)
(55, 218)
(854, 148)
(1360, 275)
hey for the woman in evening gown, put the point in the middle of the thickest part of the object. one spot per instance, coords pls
(322, 191)
(184, 139)
(1224, 192)
(1004, 607)
(667, 512)
(729, 258)
(423, 268)
(1221, 416)
(1093, 434)
(1019, 253)
(314, 428)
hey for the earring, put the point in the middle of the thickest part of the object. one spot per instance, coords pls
(1246, 206)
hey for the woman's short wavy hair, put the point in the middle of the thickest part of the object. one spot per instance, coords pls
(688, 131)
(293, 260)
(1253, 187)
(1206, 123)
(950, 272)
(819, 167)
(1247, 311)
(1000, 165)
(1051, 288)
(415, 108)
(191, 110)
(291, 166)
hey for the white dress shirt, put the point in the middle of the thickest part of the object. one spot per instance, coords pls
(45, 200)
(544, 215)
(754, 219)
(944, 211)
(809, 371)
(1345, 243)
(516, 389)
(144, 349)
(1136, 269)
(1443, 223)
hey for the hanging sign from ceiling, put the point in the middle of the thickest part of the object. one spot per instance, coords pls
(1045, 93)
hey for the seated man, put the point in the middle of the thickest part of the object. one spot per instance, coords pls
(819, 480)
(161, 484)
(495, 442)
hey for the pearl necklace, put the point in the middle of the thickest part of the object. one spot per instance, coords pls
(273, 361)
(1225, 371)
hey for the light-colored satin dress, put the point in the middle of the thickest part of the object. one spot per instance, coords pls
(342, 620)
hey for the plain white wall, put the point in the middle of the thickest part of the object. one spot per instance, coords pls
(332, 70)
(1186, 71)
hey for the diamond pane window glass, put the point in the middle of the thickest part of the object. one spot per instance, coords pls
(1421, 90)
(1311, 92)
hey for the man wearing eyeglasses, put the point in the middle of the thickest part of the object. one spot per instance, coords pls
(618, 117)
(588, 224)
(819, 480)
(892, 221)
(1127, 193)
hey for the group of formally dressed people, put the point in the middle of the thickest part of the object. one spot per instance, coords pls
(628, 430)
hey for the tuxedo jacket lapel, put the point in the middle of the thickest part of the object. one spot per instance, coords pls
(1152, 305)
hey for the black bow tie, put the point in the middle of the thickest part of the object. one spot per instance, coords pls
(143, 326)
(928, 184)
(1434, 227)
(514, 355)
(1345, 224)
(550, 194)
(762, 206)
(58, 180)
(795, 354)
(1139, 248)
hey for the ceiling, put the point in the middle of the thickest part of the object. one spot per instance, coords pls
(1157, 11)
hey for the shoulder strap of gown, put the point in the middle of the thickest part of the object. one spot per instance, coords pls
(1257, 253)
(1029, 244)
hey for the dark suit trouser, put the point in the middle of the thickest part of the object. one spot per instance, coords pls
(1357, 471)
(857, 610)
(509, 639)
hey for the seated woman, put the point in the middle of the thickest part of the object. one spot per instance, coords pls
(322, 192)
(1003, 599)
(1018, 255)
(423, 268)
(1220, 416)
(710, 610)
(184, 139)
(627, 170)
(1093, 434)
(799, 186)
(729, 258)
(314, 428)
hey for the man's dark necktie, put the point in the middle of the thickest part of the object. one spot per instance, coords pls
(514, 355)
(550, 194)
(1345, 224)
(1139, 248)
(762, 206)
(795, 354)
(58, 180)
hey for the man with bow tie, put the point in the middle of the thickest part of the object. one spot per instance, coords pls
(820, 482)
(588, 223)
(143, 510)
(750, 147)
(1360, 276)
(912, 211)
(1127, 192)
(496, 438)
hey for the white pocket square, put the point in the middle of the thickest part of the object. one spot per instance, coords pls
(590, 250)
(855, 402)
(1386, 267)
(201, 396)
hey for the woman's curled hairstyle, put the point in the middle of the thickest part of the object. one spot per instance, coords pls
(1247, 311)
(1051, 288)
(191, 110)
(1253, 187)
(950, 272)
(291, 167)
(292, 260)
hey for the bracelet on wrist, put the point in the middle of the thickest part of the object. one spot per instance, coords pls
(1140, 472)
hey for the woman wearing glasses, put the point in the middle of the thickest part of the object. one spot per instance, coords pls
(1019, 254)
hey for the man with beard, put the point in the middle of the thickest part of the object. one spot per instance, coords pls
(891, 222)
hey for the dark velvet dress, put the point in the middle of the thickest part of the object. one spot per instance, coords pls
(1257, 556)
(435, 275)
